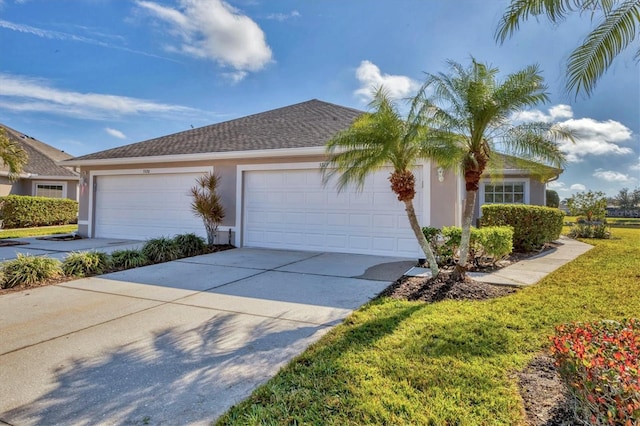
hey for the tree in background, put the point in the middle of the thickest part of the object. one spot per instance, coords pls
(470, 114)
(591, 204)
(207, 204)
(624, 199)
(617, 28)
(378, 139)
(12, 155)
(553, 199)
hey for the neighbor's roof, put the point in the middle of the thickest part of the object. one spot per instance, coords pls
(303, 125)
(42, 157)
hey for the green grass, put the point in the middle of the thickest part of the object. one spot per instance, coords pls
(34, 232)
(448, 363)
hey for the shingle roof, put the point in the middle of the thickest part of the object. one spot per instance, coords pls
(307, 124)
(42, 157)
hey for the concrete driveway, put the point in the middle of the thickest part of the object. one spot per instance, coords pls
(174, 343)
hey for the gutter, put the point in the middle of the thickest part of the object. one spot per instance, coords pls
(178, 158)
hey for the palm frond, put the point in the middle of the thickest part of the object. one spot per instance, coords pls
(12, 155)
(555, 11)
(590, 60)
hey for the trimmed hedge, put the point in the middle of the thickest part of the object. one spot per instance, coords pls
(533, 226)
(23, 211)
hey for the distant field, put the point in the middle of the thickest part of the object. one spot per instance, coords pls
(615, 222)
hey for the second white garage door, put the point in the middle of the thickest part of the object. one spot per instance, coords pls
(291, 209)
(145, 206)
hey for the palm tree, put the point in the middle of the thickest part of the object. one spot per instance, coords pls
(207, 204)
(378, 139)
(12, 155)
(619, 27)
(470, 113)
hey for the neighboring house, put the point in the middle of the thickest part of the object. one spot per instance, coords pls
(42, 176)
(270, 184)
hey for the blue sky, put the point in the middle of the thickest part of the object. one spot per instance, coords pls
(88, 75)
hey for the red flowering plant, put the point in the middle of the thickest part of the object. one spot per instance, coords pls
(599, 363)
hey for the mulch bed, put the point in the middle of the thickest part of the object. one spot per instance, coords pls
(546, 402)
(69, 237)
(442, 288)
(9, 243)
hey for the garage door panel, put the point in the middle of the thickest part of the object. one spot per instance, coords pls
(145, 206)
(302, 213)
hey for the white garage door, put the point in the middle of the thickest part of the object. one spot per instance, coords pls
(291, 209)
(145, 206)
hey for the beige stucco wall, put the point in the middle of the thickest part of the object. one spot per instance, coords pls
(443, 205)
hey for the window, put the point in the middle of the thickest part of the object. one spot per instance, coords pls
(504, 193)
(49, 190)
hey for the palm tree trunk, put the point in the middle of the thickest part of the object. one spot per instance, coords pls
(467, 217)
(424, 244)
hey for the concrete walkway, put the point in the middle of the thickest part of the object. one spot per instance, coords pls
(174, 343)
(529, 271)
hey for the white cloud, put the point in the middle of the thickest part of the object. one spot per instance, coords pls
(578, 187)
(560, 111)
(214, 30)
(554, 113)
(281, 17)
(613, 176)
(19, 93)
(593, 137)
(556, 185)
(370, 77)
(115, 133)
(235, 77)
(57, 35)
(635, 167)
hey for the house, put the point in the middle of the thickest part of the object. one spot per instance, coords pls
(42, 176)
(270, 185)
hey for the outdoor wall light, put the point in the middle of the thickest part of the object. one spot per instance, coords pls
(440, 174)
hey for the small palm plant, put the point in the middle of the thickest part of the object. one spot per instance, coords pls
(207, 204)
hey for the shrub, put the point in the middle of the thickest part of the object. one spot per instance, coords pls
(496, 242)
(487, 244)
(553, 199)
(590, 230)
(162, 249)
(599, 363)
(85, 263)
(533, 226)
(20, 211)
(127, 259)
(190, 245)
(29, 270)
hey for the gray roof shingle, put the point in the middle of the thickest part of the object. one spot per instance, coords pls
(42, 157)
(307, 124)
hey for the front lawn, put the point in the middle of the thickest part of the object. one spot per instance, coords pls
(34, 232)
(448, 363)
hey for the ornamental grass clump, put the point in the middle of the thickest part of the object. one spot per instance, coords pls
(162, 249)
(85, 263)
(26, 270)
(599, 364)
(190, 245)
(128, 259)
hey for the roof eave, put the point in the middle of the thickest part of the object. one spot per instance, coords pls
(180, 158)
